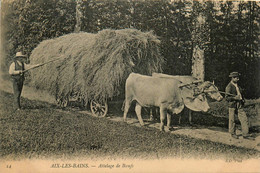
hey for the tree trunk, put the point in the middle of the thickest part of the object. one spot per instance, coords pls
(198, 69)
(79, 16)
(198, 38)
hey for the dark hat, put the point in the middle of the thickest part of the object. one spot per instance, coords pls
(20, 54)
(234, 74)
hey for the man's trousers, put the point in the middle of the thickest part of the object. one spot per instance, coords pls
(17, 89)
(242, 118)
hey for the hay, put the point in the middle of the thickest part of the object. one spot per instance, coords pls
(95, 66)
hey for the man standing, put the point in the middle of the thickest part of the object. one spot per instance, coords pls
(236, 103)
(16, 71)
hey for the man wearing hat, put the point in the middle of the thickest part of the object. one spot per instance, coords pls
(235, 103)
(16, 71)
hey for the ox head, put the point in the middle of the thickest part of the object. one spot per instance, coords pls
(210, 90)
(196, 102)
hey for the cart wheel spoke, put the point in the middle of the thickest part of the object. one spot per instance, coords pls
(94, 103)
(95, 109)
(103, 110)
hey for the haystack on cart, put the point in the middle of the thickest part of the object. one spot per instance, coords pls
(94, 67)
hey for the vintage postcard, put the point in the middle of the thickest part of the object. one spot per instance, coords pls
(129, 86)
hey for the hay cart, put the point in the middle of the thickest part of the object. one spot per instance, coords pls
(94, 67)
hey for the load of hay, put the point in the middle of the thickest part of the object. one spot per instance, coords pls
(94, 66)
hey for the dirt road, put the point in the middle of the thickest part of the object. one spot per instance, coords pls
(215, 134)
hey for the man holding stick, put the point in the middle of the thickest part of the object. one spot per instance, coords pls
(236, 102)
(16, 70)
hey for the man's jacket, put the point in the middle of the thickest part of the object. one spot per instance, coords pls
(18, 77)
(232, 102)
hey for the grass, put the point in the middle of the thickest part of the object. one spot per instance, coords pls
(44, 131)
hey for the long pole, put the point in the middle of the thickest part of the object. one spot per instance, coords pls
(41, 64)
(226, 93)
(219, 92)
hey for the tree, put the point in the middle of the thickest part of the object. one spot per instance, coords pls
(199, 39)
(29, 22)
(79, 15)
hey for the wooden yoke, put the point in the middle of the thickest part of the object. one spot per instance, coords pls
(188, 84)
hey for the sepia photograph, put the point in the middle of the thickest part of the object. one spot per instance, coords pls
(129, 86)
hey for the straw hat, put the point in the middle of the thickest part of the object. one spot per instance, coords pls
(20, 54)
(234, 74)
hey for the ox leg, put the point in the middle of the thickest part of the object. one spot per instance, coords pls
(169, 121)
(162, 118)
(190, 116)
(127, 106)
(151, 114)
(138, 111)
(156, 111)
(179, 119)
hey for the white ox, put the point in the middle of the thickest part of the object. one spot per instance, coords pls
(164, 93)
(206, 87)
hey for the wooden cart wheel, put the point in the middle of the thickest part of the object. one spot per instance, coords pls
(99, 109)
(63, 102)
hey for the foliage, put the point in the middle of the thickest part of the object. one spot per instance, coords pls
(229, 36)
(232, 31)
(29, 22)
